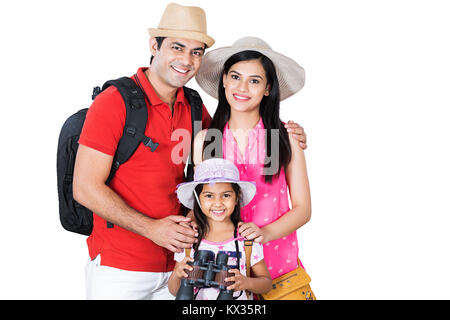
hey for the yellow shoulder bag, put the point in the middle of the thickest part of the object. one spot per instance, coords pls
(293, 285)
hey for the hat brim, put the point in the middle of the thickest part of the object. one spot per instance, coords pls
(192, 35)
(185, 191)
(291, 76)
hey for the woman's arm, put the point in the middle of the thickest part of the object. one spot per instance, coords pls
(297, 180)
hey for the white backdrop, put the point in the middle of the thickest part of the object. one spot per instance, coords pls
(375, 108)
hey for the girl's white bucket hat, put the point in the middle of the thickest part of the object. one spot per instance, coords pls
(212, 171)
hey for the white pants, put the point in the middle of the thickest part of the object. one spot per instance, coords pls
(107, 283)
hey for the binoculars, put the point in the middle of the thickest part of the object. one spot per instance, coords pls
(206, 274)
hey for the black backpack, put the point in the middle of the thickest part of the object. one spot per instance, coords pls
(75, 217)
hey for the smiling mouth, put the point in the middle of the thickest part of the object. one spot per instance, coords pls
(238, 97)
(218, 212)
(180, 70)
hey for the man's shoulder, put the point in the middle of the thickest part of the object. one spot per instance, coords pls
(108, 108)
(109, 100)
(110, 94)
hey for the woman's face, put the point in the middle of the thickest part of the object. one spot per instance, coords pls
(245, 85)
(218, 200)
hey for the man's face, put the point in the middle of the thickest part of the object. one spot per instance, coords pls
(177, 60)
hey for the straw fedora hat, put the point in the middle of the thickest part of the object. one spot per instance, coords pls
(183, 22)
(291, 76)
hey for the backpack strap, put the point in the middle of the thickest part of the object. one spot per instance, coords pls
(196, 103)
(213, 148)
(135, 122)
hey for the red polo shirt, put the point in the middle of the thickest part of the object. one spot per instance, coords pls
(146, 182)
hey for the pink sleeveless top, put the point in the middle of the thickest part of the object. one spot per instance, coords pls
(270, 202)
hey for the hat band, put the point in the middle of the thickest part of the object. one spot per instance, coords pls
(207, 180)
(214, 173)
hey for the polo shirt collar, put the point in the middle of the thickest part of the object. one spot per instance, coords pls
(151, 93)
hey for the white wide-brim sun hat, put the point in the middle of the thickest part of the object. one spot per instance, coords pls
(213, 171)
(291, 76)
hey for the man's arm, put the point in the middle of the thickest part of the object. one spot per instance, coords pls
(298, 133)
(92, 169)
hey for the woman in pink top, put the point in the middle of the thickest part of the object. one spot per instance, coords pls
(249, 80)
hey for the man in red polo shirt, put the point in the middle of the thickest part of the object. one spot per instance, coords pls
(134, 259)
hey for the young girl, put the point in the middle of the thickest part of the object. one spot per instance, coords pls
(250, 79)
(216, 196)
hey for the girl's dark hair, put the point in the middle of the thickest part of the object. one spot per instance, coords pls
(202, 220)
(269, 110)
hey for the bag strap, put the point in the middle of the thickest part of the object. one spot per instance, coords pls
(135, 122)
(248, 246)
(196, 103)
(187, 252)
(213, 148)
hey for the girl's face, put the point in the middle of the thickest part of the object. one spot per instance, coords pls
(218, 200)
(245, 85)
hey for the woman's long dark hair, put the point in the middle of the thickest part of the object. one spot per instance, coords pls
(202, 220)
(269, 110)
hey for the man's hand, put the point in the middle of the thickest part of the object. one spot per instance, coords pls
(193, 224)
(173, 234)
(297, 132)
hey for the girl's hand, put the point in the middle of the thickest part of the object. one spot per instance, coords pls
(241, 282)
(181, 266)
(251, 231)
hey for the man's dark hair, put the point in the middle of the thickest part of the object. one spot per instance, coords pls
(159, 41)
